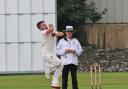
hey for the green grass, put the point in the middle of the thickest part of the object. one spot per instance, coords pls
(109, 80)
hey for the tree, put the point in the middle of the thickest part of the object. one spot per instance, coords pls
(76, 12)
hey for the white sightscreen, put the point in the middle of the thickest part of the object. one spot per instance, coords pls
(20, 40)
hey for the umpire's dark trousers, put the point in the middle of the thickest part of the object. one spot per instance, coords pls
(73, 69)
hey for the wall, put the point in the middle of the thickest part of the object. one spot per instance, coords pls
(20, 39)
(110, 60)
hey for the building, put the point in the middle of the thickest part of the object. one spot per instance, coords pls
(19, 38)
(111, 32)
(117, 10)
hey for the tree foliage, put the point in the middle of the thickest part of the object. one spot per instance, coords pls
(76, 12)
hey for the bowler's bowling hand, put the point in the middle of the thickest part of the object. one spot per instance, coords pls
(51, 26)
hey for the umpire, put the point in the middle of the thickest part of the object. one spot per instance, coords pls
(69, 48)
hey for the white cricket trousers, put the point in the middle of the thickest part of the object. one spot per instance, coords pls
(47, 69)
(55, 64)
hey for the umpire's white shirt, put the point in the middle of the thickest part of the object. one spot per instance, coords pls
(69, 58)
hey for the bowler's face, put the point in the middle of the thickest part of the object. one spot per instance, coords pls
(43, 26)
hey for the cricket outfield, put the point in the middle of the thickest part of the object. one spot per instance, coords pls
(116, 80)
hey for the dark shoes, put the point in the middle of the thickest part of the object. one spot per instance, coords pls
(55, 87)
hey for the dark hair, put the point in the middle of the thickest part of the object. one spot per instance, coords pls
(39, 23)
